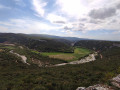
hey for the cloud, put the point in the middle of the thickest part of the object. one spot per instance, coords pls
(89, 15)
(72, 8)
(83, 19)
(38, 6)
(80, 8)
(94, 21)
(4, 7)
(59, 22)
(113, 21)
(67, 28)
(3, 29)
(53, 18)
(102, 13)
(81, 24)
(74, 26)
(118, 6)
(26, 26)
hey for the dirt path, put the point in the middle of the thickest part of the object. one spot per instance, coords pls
(23, 58)
(89, 58)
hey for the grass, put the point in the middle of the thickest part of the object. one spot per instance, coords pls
(34, 51)
(78, 53)
(8, 47)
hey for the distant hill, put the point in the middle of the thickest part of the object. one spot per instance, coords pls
(39, 43)
(71, 39)
(50, 43)
(97, 45)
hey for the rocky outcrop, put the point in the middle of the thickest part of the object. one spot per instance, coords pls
(116, 81)
(38, 62)
(20, 47)
(96, 87)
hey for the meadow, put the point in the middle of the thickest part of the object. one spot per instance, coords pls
(76, 55)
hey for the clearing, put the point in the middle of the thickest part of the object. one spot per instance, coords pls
(78, 54)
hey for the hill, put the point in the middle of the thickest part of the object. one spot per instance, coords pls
(70, 39)
(42, 45)
(37, 75)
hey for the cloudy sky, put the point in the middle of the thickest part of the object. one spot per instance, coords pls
(95, 19)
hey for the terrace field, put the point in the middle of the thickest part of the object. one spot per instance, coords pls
(78, 53)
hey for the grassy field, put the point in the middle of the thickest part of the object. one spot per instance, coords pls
(78, 53)
(8, 47)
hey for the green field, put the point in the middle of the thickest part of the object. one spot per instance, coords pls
(78, 53)
(8, 47)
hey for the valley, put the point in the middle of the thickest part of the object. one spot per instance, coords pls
(59, 44)
(89, 58)
(76, 55)
(80, 55)
(28, 63)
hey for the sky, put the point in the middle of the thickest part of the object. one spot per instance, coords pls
(93, 19)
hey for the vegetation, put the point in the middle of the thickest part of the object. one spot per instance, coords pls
(31, 55)
(18, 76)
(78, 53)
(41, 45)
(96, 45)
(15, 75)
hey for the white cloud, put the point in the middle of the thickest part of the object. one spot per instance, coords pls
(80, 8)
(87, 15)
(55, 18)
(38, 6)
(3, 29)
(25, 26)
(72, 7)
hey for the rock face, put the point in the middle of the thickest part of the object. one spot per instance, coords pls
(96, 87)
(116, 81)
